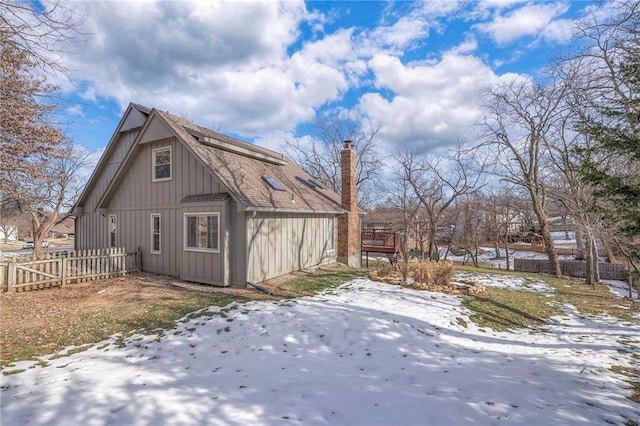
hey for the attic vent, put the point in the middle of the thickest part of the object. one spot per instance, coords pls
(274, 183)
(309, 182)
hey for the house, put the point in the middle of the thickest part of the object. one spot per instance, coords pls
(209, 208)
(8, 233)
(63, 229)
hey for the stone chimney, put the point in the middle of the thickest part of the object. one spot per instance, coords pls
(349, 223)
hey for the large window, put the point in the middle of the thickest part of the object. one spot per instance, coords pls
(331, 245)
(155, 233)
(202, 231)
(161, 160)
(113, 228)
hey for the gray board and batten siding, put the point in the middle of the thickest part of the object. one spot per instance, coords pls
(280, 243)
(254, 242)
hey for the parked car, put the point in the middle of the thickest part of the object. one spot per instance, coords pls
(31, 244)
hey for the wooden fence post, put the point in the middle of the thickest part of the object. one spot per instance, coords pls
(11, 275)
(63, 271)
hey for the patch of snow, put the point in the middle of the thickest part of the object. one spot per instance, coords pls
(506, 281)
(366, 353)
(620, 288)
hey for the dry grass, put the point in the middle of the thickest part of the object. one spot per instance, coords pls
(431, 273)
(424, 273)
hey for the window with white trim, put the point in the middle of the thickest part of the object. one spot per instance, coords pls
(155, 234)
(331, 244)
(161, 164)
(113, 228)
(202, 232)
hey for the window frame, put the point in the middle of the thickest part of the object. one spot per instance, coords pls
(186, 246)
(153, 234)
(331, 234)
(154, 153)
(112, 231)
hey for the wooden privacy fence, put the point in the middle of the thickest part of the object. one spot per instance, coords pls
(58, 269)
(540, 248)
(571, 268)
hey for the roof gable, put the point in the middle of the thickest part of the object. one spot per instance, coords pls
(132, 116)
(238, 166)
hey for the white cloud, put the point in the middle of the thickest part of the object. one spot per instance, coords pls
(224, 66)
(201, 59)
(529, 20)
(244, 69)
(434, 103)
(75, 110)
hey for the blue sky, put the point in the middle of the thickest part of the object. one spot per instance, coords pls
(262, 71)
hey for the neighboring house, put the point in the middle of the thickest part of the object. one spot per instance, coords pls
(385, 219)
(209, 208)
(8, 233)
(64, 229)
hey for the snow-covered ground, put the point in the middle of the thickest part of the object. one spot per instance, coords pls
(488, 254)
(365, 354)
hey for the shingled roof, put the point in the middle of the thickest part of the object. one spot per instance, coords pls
(241, 167)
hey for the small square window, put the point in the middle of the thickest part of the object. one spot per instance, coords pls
(202, 232)
(161, 164)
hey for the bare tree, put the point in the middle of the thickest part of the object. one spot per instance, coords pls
(437, 182)
(8, 213)
(49, 197)
(521, 116)
(321, 158)
(505, 217)
(402, 197)
(466, 225)
(43, 32)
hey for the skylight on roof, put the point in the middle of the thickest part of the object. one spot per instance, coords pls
(315, 183)
(309, 182)
(274, 183)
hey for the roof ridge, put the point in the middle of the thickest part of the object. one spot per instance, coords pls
(190, 126)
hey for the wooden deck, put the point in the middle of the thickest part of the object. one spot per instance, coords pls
(386, 242)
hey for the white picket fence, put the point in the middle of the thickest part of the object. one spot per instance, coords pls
(59, 269)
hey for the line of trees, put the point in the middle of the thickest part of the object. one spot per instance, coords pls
(567, 142)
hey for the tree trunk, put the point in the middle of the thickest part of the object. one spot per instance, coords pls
(580, 244)
(564, 225)
(506, 247)
(433, 243)
(538, 209)
(591, 274)
(611, 258)
(589, 279)
(594, 259)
